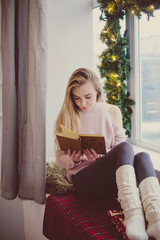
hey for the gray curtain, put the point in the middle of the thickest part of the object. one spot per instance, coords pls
(24, 68)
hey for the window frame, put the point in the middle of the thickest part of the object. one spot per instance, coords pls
(134, 83)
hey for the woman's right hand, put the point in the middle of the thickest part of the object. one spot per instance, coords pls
(75, 156)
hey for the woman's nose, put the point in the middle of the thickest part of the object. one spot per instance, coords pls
(83, 102)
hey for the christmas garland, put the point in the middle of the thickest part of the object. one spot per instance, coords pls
(115, 62)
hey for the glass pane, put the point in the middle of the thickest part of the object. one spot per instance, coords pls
(150, 78)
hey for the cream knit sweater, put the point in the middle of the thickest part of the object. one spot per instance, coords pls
(98, 121)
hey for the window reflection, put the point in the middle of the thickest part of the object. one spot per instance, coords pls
(150, 78)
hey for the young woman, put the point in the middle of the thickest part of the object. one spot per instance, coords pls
(119, 172)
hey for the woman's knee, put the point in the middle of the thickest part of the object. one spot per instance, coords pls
(143, 166)
(125, 154)
(142, 159)
(126, 147)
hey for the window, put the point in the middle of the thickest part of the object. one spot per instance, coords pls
(145, 59)
(149, 37)
(144, 84)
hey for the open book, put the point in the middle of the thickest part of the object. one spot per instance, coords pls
(69, 139)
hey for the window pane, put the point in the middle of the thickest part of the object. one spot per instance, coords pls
(150, 78)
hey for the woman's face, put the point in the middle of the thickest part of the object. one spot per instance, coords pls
(85, 96)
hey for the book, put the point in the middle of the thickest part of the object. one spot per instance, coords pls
(69, 139)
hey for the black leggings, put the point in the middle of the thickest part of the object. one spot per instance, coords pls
(98, 180)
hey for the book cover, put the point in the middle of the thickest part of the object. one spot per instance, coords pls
(69, 139)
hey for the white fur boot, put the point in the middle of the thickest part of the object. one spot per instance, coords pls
(129, 198)
(150, 194)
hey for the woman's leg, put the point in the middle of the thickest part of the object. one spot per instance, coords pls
(128, 195)
(98, 180)
(150, 193)
(143, 166)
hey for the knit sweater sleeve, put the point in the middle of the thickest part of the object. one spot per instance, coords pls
(63, 158)
(119, 135)
(113, 116)
(119, 131)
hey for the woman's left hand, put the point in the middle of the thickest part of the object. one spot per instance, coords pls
(91, 154)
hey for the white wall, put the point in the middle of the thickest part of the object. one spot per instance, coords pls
(70, 46)
(70, 40)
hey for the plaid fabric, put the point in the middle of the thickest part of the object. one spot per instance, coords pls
(70, 218)
(117, 217)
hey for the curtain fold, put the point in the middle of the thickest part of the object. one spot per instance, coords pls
(24, 77)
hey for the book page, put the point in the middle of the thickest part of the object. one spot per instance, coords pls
(68, 132)
(67, 142)
(66, 135)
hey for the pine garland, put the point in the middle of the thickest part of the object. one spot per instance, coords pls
(115, 63)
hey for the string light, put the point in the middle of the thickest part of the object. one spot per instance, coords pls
(113, 39)
(113, 97)
(119, 84)
(112, 34)
(114, 58)
(105, 31)
(110, 9)
(115, 75)
(152, 6)
(101, 64)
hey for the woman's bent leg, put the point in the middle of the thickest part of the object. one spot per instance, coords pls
(128, 194)
(150, 193)
(99, 179)
(143, 166)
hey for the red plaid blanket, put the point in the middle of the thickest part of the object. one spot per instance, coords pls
(70, 218)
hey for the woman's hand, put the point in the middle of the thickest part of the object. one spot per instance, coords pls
(75, 156)
(91, 154)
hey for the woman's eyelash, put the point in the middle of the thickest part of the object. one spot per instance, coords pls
(77, 98)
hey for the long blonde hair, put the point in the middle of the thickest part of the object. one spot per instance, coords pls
(69, 115)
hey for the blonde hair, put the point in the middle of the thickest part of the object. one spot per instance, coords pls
(69, 115)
